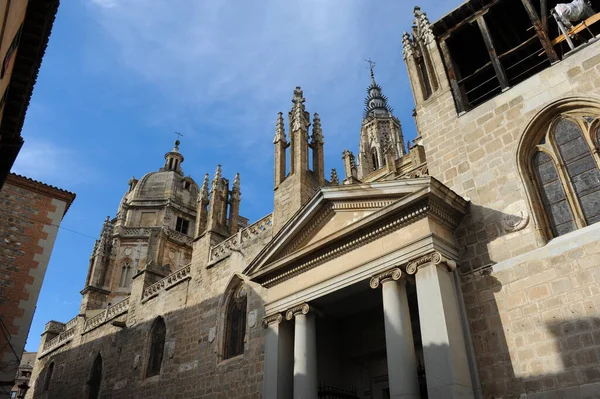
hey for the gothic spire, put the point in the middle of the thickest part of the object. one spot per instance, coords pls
(334, 180)
(423, 26)
(376, 102)
(216, 183)
(407, 46)
(317, 131)
(299, 118)
(204, 189)
(279, 129)
(235, 191)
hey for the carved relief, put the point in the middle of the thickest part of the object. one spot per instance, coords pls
(515, 216)
(252, 319)
(170, 349)
(212, 334)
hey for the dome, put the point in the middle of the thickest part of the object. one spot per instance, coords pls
(165, 185)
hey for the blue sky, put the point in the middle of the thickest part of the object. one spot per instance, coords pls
(120, 76)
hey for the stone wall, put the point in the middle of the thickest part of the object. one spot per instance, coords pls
(30, 213)
(535, 320)
(475, 154)
(533, 306)
(193, 311)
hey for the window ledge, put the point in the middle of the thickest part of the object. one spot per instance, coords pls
(230, 360)
(555, 247)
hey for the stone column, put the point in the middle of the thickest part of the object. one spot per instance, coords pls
(305, 352)
(444, 351)
(279, 358)
(401, 359)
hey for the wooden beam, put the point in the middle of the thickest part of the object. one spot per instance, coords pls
(520, 46)
(591, 20)
(459, 96)
(489, 44)
(541, 33)
(544, 12)
(452, 29)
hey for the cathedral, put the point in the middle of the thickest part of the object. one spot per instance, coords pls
(464, 266)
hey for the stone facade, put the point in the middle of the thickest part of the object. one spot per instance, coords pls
(432, 271)
(31, 215)
(531, 299)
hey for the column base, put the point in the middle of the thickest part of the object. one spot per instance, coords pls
(450, 392)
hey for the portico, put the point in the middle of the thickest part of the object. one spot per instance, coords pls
(362, 295)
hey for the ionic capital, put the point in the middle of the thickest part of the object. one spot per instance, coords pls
(303, 308)
(274, 318)
(393, 274)
(434, 258)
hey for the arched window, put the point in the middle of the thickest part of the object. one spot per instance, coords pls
(566, 168)
(235, 323)
(95, 378)
(48, 376)
(158, 334)
(375, 159)
(126, 272)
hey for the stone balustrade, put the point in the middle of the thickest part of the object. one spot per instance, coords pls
(133, 231)
(179, 237)
(71, 323)
(168, 282)
(106, 315)
(235, 241)
(60, 339)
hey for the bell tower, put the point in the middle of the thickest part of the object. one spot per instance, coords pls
(381, 139)
(294, 189)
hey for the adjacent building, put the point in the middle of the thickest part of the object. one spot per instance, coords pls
(24, 31)
(23, 373)
(30, 215)
(466, 265)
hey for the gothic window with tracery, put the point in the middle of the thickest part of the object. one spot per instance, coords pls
(48, 376)
(235, 323)
(566, 168)
(126, 273)
(95, 378)
(157, 345)
(375, 159)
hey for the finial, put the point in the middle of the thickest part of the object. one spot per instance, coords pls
(204, 189)
(298, 95)
(216, 183)
(177, 142)
(236, 194)
(299, 118)
(423, 26)
(371, 66)
(279, 129)
(236, 182)
(334, 178)
(407, 46)
(317, 136)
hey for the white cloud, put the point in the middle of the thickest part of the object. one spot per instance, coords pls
(50, 164)
(247, 56)
(105, 3)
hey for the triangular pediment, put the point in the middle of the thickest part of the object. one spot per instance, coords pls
(335, 213)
